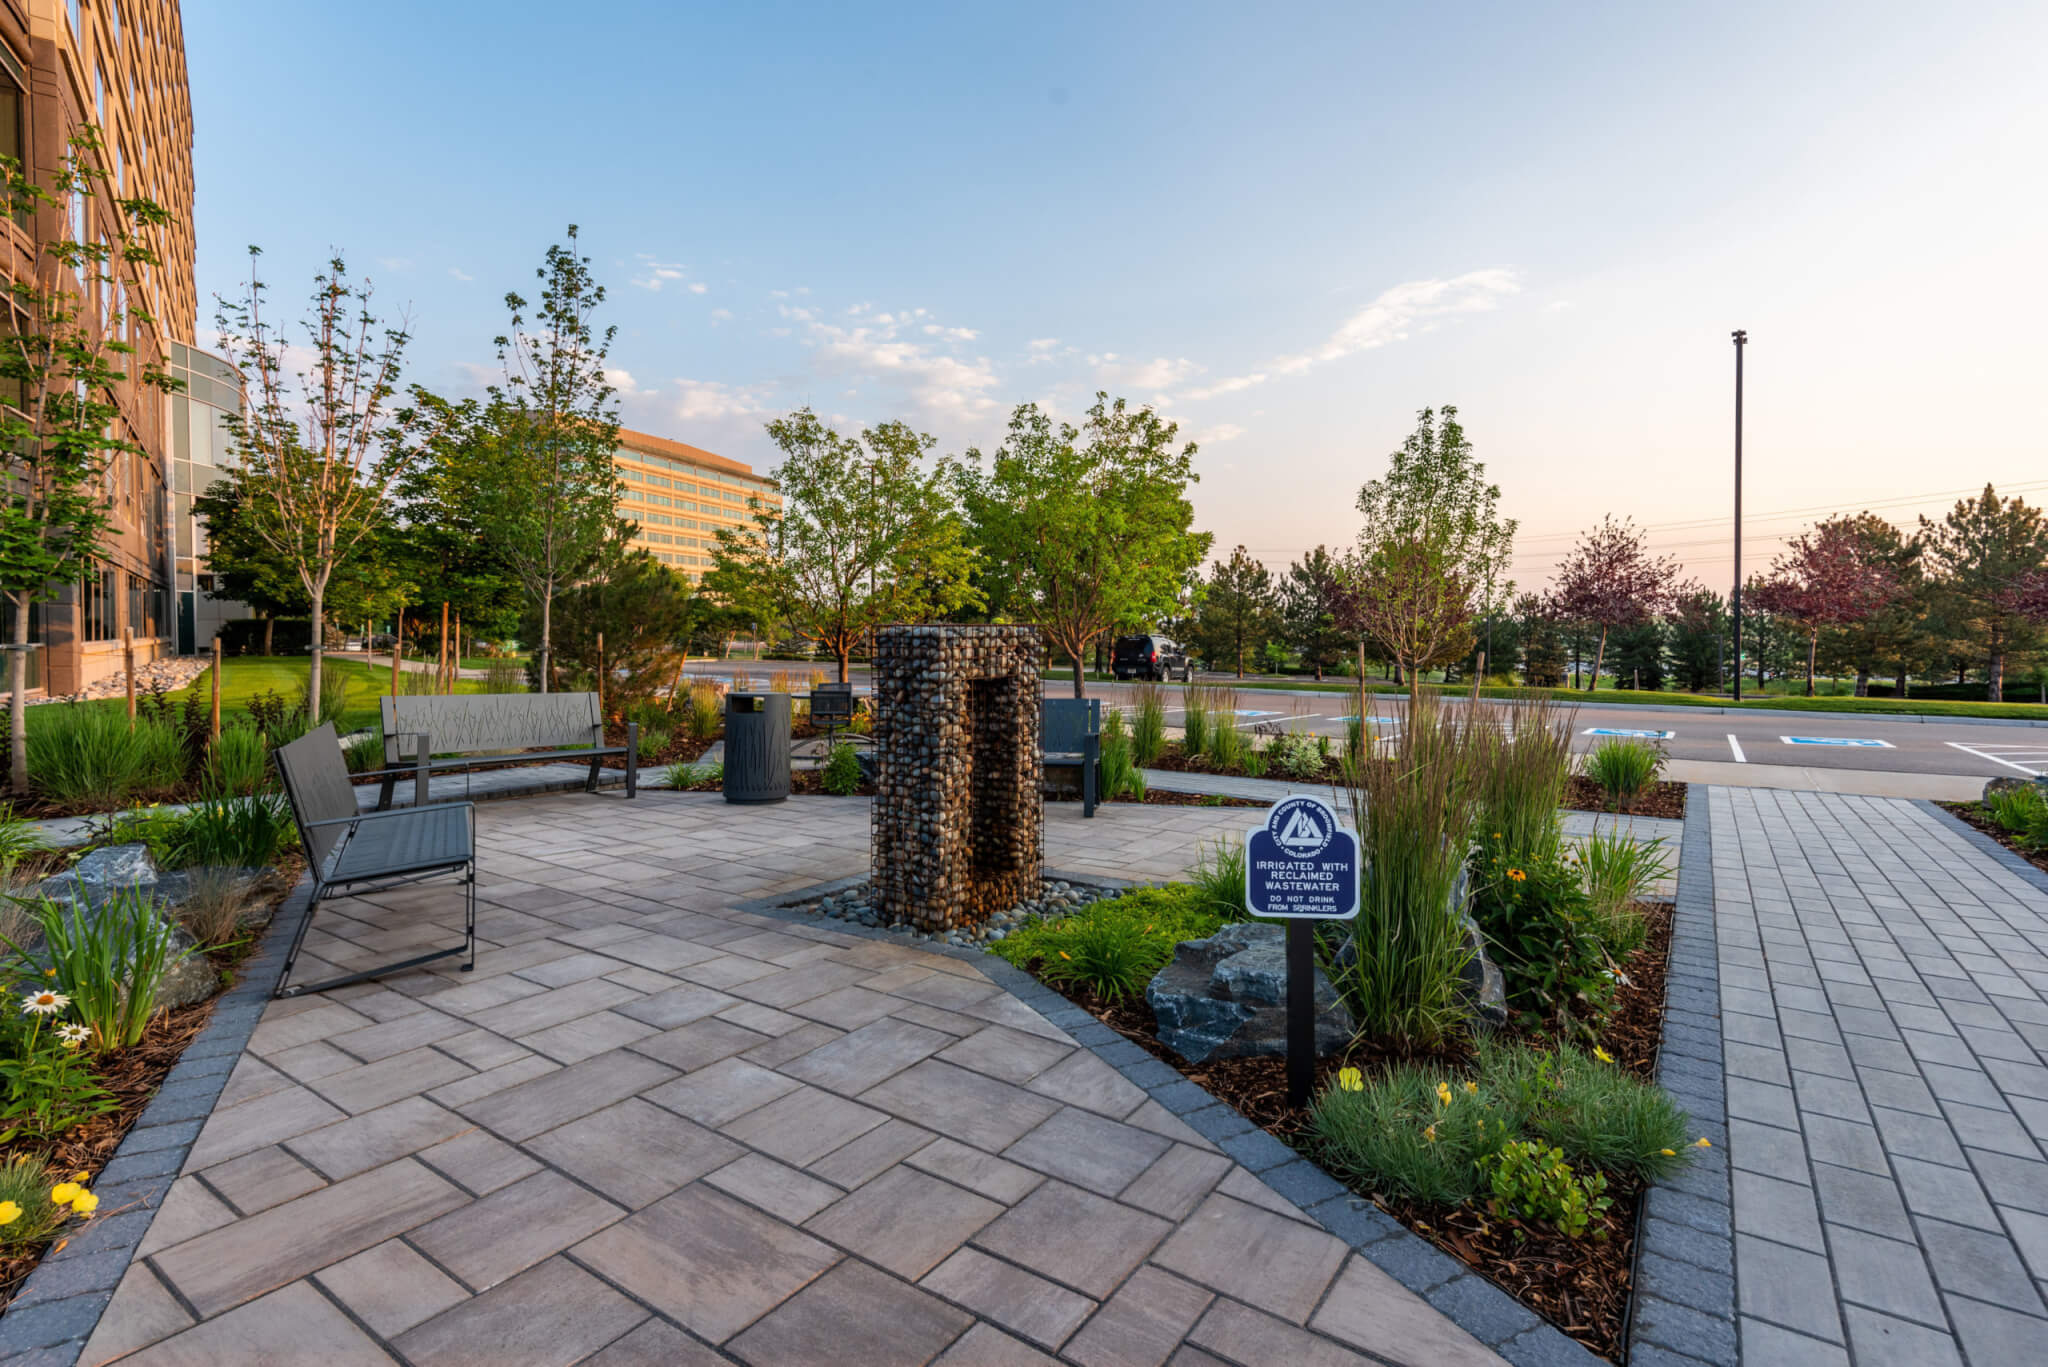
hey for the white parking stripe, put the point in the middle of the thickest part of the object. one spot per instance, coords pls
(2035, 770)
(1736, 746)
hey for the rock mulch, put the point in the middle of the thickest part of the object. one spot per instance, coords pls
(1056, 898)
(168, 675)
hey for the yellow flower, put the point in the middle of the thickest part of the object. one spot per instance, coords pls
(85, 1203)
(1496, 835)
(1669, 1153)
(1518, 875)
(1068, 957)
(1703, 1143)
(1350, 1080)
(81, 1177)
(64, 1192)
(1443, 1093)
(49, 973)
(1472, 1089)
(1602, 1054)
(1429, 1135)
(9, 1212)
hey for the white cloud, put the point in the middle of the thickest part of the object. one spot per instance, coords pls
(950, 334)
(1043, 343)
(877, 348)
(1388, 318)
(622, 380)
(395, 263)
(711, 401)
(1210, 436)
(721, 315)
(656, 275)
(1157, 375)
(460, 274)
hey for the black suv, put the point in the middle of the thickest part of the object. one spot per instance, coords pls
(1150, 657)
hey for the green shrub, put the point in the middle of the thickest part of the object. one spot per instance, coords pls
(19, 839)
(1119, 770)
(1625, 768)
(1298, 755)
(1597, 1113)
(364, 751)
(842, 772)
(90, 755)
(686, 774)
(1114, 946)
(1533, 1183)
(1539, 923)
(108, 962)
(1148, 726)
(237, 832)
(1225, 748)
(703, 712)
(653, 740)
(2022, 812)
(1414, 812)
(1218, 881)
(1528, 764)
(1194, 721)
(504, 676)
(237, 764)
(1618, 872)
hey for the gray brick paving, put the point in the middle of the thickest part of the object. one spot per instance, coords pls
(1883, 984)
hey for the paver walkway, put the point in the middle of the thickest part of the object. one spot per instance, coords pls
(1885, 1030)
(649, 1128)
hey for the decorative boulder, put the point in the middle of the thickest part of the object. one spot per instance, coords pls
(1226, 997)
(96, 880)
(1485, 989)
(2004, 785)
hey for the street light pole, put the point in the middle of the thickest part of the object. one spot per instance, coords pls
(1741, 340)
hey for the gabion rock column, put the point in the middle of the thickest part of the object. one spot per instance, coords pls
(958, 826)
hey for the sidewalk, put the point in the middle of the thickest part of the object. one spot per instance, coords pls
(1886, 1042)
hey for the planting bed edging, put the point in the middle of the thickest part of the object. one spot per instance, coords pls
(1475, 1304)
(2005, 857)
(1682, 1312)
(60, 1304)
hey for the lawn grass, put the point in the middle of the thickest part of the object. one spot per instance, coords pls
(245, 676)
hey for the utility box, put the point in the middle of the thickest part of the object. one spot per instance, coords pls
(756, 747)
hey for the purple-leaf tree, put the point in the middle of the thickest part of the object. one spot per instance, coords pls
(1611, 581)
(1832, 576)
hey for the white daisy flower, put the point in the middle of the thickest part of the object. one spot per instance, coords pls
(45, 1003)
(73, 1035)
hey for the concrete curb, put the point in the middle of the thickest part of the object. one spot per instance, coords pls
(57, 1308)
(1683, 1312)
(1463, 1296)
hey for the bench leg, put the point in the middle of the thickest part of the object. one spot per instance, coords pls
(632, 758)
(1091, 760)
(384, 792)
(422, 762)
(291, 956)
(596, 767)
(469, 916)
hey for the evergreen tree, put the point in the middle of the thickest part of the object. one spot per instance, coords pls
(1240, 612)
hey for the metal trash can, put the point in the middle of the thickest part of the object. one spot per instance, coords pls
(757, 747)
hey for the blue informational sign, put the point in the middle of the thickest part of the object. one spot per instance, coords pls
(1638, 735)
(1302, 864)
(1837, 740)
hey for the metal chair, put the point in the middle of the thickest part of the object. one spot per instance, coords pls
(350, 851)
(1070, 733)
(832, 706)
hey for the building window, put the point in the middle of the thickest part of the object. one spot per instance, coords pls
(98, 601)
(77, 25)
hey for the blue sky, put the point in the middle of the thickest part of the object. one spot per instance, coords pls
(1289, 227)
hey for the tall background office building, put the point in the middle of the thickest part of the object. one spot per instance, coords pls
(120, 65)
(681, 495)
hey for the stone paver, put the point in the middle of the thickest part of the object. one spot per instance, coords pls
(652, 1127)
(1884, 990)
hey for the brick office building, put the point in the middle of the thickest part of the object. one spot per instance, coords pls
(119, 65)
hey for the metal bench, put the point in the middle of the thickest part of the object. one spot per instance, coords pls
(348, 851)
(1070, 733)
(475, 729)
(832, 707)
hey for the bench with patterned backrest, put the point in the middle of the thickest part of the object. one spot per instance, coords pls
(832, 706)
(467, 730)
(350, 851)
(1070, 733)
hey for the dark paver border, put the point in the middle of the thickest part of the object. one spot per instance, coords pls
(1683, 1311)
(58, 1307)
(2004, 857)
(1463, 1296)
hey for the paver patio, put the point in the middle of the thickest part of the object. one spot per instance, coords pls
(1885, 1032)
(652, 1128)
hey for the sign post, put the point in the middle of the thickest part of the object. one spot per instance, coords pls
(1301, 866)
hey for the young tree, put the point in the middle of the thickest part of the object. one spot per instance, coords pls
(1239, 611)
(444, 538)
(1989, 557)
(59, 362)
(1434, 551)
(1828, 577)
(311, 482)
(246, 568)
(1089, 527)
(640, 608)
(1611, 581)
(555, 491)
(1699, 633)
(1310, 598)
(1638, 655)
(865, 535)
(1543, 641)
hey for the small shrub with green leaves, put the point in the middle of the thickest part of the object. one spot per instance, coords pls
(1298, 755)
(842, 772)
(36, 1200)
(1111, 948)
(1194, 722)
(91, 756)
(653, 740)
(1625, 768)
(1218, 881)
(45, 1084)
(1119, 770)
(1539, 923)
(1530, 1182)
(2022, 813)
(235, 832)
(237, 764)
(689, 774)
(107, 964)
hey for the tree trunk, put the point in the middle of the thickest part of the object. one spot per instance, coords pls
(843, 652)
(269, 632)
(1994, 682)
(1900, 690)
(1599, 655)
(1080, 679)
(1862, 682)
(1812, 651)
(17, 690)
(319, 648)
(547, 642)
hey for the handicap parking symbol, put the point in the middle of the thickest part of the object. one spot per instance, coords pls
(1852, 742)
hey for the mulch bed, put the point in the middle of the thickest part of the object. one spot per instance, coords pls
(1174, 761)
(1582, 1286)
(1665, 800)
(1973, 814)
